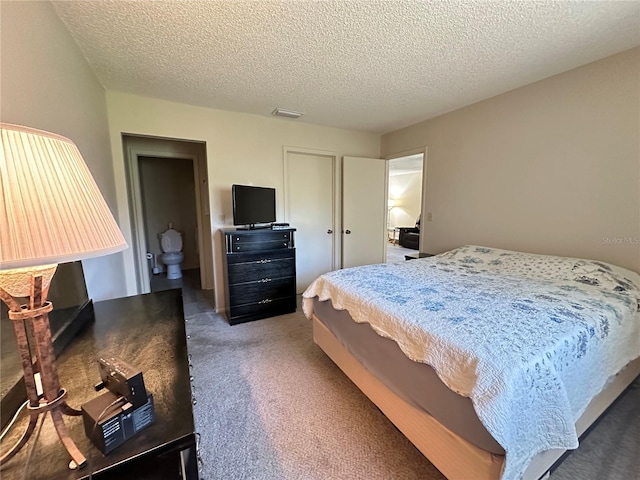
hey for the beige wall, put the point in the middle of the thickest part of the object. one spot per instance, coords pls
(552, 167)
(45, 83)
(241, 148)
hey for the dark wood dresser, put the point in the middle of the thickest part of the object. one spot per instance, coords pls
(260, 267)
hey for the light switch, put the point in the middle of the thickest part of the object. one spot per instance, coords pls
(429, 216)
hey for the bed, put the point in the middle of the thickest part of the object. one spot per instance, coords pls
(491, 362)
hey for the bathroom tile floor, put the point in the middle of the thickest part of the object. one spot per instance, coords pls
(160, 282)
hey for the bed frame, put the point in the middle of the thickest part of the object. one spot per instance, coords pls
(451, 454)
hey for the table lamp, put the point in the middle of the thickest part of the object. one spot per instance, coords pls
(51, 212)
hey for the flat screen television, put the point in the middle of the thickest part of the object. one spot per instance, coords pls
(253, 205)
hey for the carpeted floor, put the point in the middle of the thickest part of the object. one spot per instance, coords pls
(271, 405)
(396, 253)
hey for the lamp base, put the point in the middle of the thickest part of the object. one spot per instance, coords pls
(34, 317)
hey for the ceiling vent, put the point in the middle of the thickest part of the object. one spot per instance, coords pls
(281, 112)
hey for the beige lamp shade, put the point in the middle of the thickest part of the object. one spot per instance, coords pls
(51, 210)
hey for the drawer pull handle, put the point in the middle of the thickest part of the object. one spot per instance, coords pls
(265, 280)
(264, 260)
(266, 300)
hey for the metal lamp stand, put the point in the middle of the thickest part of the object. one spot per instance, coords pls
(34, 317)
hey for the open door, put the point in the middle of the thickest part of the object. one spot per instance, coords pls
(309, 196)
(364, 210)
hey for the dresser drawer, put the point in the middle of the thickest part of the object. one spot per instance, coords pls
(259, 257)
(261, 270)
(266, 240)
(261, 292)
(259, 246)
(255, 311)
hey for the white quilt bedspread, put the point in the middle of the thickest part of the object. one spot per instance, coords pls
(531, 339)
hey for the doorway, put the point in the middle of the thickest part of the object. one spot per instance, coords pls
(406, 179)
(167, 202)
(168, 184)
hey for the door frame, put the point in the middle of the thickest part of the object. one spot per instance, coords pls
(336, 247)
(138, 231)
(423, 193)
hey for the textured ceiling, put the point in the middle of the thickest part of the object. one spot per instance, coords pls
(372, 65)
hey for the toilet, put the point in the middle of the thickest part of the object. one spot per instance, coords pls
(171, 243)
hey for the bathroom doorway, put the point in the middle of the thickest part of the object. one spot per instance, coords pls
(166, 185)
(168, 188)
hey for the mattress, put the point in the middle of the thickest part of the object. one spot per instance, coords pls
(416, 383)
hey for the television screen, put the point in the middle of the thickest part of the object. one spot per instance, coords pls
(253, 205)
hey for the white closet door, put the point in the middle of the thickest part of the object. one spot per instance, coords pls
(364, 209)
(309, 192)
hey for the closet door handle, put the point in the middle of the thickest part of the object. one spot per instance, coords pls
(329, 231)
(347, 232)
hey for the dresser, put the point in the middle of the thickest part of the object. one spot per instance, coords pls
(260, 269)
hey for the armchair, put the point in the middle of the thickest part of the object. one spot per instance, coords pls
(409, 237)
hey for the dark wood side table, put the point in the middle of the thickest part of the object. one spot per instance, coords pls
(147, 331)
(415, 256)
